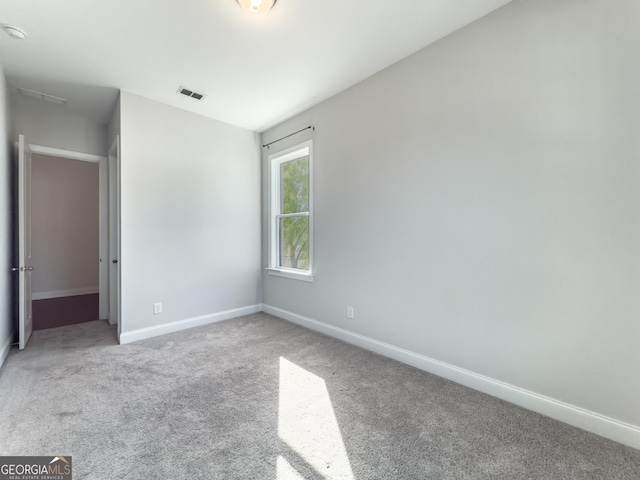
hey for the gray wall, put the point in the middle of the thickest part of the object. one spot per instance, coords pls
(54, 126)
(478, 203)
(190, 206)
(64, 226)
(6, 233)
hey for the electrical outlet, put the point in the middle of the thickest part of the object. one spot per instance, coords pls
(350, 312)
(157, 308)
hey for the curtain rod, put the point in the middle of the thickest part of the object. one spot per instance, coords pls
(290, 135)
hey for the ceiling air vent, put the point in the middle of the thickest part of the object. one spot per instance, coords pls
(191, 93)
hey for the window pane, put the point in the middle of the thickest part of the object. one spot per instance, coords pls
(294, 187)
(294, 242)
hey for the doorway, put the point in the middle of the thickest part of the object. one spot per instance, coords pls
(64, 241)
(103, 254)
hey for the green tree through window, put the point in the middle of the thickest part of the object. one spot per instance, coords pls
(294, 210)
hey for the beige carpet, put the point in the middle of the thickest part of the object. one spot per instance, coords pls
(259, 398)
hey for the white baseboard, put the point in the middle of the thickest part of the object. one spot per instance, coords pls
(157, 330)
(4, 350)
(578, 417)
(64, 293)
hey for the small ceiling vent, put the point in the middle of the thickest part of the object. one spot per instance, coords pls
(191, 93)
(42, 96)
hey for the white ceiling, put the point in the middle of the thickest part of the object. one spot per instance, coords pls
(255, 71)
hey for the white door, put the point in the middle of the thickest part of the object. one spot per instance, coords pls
(114, 234)
(24, 242)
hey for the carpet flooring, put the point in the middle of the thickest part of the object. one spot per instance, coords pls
(58, 312)
(260, 398)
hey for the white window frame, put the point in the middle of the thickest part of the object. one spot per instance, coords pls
(275, 161)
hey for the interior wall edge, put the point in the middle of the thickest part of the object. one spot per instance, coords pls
(8, 260)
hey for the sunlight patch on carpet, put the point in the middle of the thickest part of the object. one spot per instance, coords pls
(285, 471)
(308, 425)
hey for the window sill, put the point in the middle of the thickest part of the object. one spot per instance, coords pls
(303, 277)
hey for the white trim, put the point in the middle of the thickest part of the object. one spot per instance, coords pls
(113, 232)
(103, 221)
(64, 293)
(4, 353)
(275, 160)
(157, 330)
(292, 274)
(578, 417)
(70, 154)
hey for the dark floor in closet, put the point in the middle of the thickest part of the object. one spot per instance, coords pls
(57, 312)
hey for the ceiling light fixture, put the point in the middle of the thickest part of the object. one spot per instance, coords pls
(15, 32)
(257, 7)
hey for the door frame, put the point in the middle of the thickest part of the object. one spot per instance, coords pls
(103, 215)
(113, 219)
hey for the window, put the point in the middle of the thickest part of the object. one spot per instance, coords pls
(290, 220)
